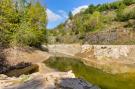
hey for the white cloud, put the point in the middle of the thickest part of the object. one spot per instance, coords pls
(52, 17)
(78, 9)
(63, 14)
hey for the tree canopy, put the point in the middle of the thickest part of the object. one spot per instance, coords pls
(22, 22)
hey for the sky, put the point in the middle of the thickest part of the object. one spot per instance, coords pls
(57, 10)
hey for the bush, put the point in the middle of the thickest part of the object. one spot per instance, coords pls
(30, 36)
(132, 14)
(90, 9)
(125, 14)
(128, 2)
(93, 22)
(109, 6)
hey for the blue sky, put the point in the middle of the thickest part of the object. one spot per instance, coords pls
(58, 10)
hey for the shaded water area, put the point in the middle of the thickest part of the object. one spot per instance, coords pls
(15, 69)
(93, 75)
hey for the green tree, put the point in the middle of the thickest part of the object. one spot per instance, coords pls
(121, 15)
(70, 15)
(94, 22)
(90, 9)
(33, 26)
(8, 21)
(22, 23)
(128, 2)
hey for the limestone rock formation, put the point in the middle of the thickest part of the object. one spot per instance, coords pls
(54, 80)
(111, 51)
(109, 58)
(74, 83)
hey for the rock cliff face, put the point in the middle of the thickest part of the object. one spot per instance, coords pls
(55, 80)
(110, 51)
(112, 36)
(110, 58)
(97, 51)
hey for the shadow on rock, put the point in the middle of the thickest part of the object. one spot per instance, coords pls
(4, 66)
(17, 69)
(75, 83)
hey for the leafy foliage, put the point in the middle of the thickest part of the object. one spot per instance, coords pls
(128, 2)
(125, 14)
(88, 22)
(90, 9)
(109, 6)
(70, 15)
(22, 23)
(96, 18)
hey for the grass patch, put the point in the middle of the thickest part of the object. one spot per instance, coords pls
(93, 75)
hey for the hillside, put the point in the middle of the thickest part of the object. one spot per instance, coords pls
(109, 23)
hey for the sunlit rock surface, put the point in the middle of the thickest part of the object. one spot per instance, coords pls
(110, 58)
(113, 51)
(54, 80)
(98, 51)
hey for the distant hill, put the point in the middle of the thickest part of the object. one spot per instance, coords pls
(109, 23)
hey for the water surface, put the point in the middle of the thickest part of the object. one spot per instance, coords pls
(93, 75)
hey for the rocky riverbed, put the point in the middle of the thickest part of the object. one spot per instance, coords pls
(43, 78)
(109, 58)
(54, 80)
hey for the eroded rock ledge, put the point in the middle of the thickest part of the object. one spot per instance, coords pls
(54, 80)
(109, 58)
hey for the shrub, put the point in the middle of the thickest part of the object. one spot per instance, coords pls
(132, 14)
(90, 9)
(125, 14)
(128, 2)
